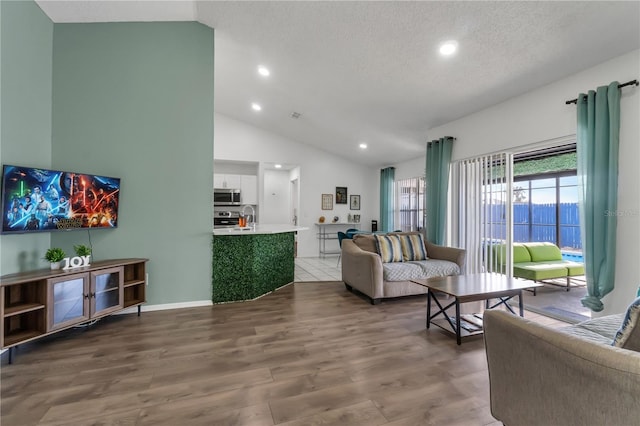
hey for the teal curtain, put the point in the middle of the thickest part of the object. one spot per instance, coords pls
(598, 135)
(436, 187)
(387, 177)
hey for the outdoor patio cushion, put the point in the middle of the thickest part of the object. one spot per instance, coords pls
(573, 268)
(543, 252)
(520, 254)
(538, 271)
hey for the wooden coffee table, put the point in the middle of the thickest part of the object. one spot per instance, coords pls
(471, 288)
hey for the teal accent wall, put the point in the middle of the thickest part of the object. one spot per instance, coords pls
(26, 43)
(135, 101)
(248, 266)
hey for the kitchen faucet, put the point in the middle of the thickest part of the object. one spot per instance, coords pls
(253, 214)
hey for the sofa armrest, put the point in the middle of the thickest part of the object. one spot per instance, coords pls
(452, 254)
(362, 270)
(541, 376)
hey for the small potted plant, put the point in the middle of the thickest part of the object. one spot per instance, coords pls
(54, 256)
(82, 251)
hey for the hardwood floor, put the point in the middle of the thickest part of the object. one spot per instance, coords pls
(308, 354)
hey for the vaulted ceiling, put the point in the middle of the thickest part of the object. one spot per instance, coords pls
(370, 71)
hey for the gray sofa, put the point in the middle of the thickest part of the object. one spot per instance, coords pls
(363, 269)
(569, 376)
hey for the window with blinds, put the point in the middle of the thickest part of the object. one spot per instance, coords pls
(409, 205)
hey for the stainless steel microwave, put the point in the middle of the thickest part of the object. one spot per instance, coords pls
(226, 197)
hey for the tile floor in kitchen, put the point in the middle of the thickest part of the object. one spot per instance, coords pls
(318, 269)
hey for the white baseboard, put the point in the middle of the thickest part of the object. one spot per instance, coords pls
(166, 306)
(194, 304)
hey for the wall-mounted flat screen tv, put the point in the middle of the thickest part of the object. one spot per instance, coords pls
(37, 200)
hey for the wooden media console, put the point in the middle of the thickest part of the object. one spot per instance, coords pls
(38, 303)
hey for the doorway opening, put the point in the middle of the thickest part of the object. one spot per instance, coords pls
(545, 209)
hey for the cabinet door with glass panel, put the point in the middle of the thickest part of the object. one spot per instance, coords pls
(77, 298)
(106, 291)
(68, 300)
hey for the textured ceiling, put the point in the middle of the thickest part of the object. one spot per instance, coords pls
(370, 72)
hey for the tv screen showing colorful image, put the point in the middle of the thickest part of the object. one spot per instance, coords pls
(37, 200)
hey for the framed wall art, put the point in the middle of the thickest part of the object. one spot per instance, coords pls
(354, 202)
(327, 201)
(341, 195)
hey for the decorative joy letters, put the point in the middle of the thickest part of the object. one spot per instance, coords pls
(76, 261)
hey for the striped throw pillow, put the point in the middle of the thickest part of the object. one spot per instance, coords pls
(389, 248)
(628, 336)
(413, 247)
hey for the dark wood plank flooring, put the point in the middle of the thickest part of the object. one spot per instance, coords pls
(307, 354)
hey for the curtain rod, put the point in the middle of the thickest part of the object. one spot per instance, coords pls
(620, 86)
(438, 140)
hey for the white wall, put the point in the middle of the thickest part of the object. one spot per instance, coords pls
(542, 115)
(412, 168)
(320, 173)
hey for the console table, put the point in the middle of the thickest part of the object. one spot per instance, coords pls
(38, 303)
(329, 231)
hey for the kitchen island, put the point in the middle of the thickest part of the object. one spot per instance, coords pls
(249, 263)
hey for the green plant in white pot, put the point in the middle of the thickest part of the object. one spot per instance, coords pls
(54, 256)
(84, 252)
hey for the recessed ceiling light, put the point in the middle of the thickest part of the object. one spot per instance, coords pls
(448, 48)
(256, 107)
(263, 71)
(363, 146)
(278, 166)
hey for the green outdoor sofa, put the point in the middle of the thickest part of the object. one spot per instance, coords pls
(538, 262)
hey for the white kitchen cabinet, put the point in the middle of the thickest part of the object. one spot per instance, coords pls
(249, 189)
(227, 181)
